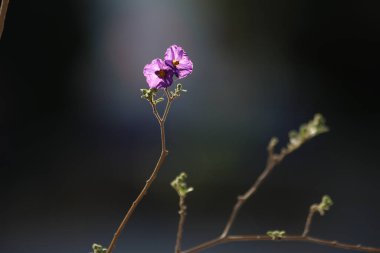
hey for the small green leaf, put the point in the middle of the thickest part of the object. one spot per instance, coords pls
(97, 248)
(276, 234)
(178, 90)
(179, 184)
(150, 94)
(307, 131)
(159, 100)
(273, 142)
(325, 205)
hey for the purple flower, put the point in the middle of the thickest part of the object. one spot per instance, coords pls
(158, 74)
(177, 59)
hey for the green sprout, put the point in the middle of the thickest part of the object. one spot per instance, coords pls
(149, 94)
(178, 90)
(307, 131)
(179, 184)
(273, 142)
(325, 205)
(97, 248)
(276, 234)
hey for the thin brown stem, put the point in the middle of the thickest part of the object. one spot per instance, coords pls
(3, 13)
(182, 218)
(313, 209)
(294, 238)
(161, 159)
(272, 161)
(207, 245)
(155, 113)
(169, 102)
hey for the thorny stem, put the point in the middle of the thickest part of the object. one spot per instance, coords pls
(161, 159)
(313, 209)
(3, 13)
(294, 238)
(182, 217)
(273, 160)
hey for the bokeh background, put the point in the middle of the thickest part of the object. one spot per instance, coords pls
(77, 143)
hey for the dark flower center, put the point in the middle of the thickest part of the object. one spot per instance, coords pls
(160, 73)
(175, 62)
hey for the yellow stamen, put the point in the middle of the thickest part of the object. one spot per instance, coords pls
(175, 62)
(161, 73)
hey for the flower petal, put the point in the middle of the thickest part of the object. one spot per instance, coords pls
(155, 81)
(184, 67)
(172, 53)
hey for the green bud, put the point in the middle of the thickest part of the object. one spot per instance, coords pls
(325, 205)
(97, 248)
(307, 131)
(179, 184)
(273, 142)
(159, 100)
(276, 234)
(295, 139)
(178, 90)
(150, 94)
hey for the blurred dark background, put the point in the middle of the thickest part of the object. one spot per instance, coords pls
(77, 143)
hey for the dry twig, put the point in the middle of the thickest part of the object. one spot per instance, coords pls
(3, 13)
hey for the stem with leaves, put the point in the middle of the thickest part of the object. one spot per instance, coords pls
(321, 208)
(286, 238)
(296, 139)
(180, 186)
(161, 159)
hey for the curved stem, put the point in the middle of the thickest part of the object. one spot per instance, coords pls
(156, 114)
(294, 238)
(3, 13)
(170, 100)
(273, 160)
(309, 219)
(152, 177)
